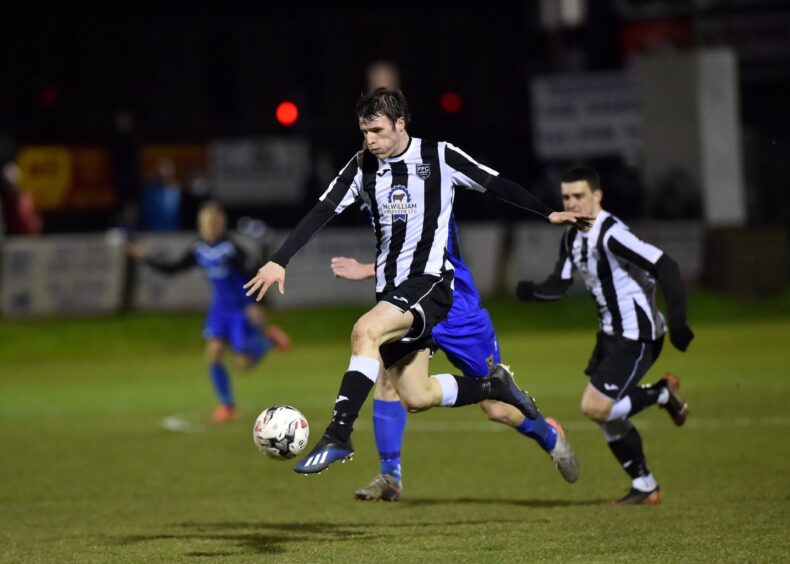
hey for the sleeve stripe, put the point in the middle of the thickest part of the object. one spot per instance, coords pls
(341, 185)
(466, 166)
(567, 270)
(631, 255)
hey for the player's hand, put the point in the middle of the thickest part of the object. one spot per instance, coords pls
(681, 336)
(135, 251)
(268, 274)
(525, 291)
(351, 269)
(579, 221)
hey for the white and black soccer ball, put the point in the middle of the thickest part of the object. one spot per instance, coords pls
(281, 432)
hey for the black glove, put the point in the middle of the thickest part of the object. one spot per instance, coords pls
(680, 336)
(525, 291)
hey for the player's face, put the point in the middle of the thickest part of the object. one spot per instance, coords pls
(384, 138)
(211, 226)
(580, 198)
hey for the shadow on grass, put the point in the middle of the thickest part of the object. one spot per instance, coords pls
(273, 538)
(272, 541)
(418, 501)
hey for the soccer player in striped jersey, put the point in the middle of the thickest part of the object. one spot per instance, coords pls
(409, 184)
(620, 271)
(233, 319)
(468, 339)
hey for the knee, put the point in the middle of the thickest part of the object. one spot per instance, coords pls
(363, 334)
(415, 403)
(596, 411)
(214, 352)
(244, 362)
(495, 411)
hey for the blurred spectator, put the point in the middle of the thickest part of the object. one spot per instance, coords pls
(125, 153)
(19, 211)
(162, 200)
(383, 73)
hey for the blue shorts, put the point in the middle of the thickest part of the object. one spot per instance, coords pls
(470, 343)
(235, 329)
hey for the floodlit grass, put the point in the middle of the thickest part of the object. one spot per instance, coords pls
(88, 474)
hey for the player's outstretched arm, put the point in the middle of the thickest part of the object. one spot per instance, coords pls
(578, 220)
(274, 270)
(352, 269)
(552, 289)
(556, 286)
(515, 194)
(184, 262)
(668, 274)
(270, 273)
(471, 174)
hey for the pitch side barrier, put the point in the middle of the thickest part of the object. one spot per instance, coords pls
(85, 275)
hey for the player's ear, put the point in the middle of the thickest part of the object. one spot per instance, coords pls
(597, 196)
(400, 125)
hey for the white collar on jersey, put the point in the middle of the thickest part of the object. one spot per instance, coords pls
(596, 227)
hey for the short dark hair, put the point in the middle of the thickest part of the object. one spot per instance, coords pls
(582, 174)
(383, 102)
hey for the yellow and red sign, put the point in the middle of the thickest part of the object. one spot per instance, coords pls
(64, 178)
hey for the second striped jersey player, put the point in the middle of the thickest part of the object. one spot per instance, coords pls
(620, 271)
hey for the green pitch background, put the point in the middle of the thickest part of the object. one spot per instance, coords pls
(88, 474)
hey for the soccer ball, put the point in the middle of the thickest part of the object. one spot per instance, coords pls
(281, 432)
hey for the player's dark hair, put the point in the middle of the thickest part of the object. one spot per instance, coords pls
(582, 174)
(383, 102)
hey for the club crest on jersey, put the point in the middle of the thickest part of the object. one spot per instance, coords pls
(399, 205)
(423, 171)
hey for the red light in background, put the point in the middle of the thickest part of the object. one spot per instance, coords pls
(451, 102)
(49, 96)
(287, 113)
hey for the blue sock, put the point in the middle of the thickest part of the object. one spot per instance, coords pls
(389, 422)
(540, 431)
(221, 381)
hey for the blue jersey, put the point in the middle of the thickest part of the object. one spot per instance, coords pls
(467, 335)
(226, 265)
(466, 298)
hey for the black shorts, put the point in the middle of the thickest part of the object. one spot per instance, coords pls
(429, 298)
(618, 364)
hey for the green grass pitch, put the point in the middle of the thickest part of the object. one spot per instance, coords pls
(88, 474)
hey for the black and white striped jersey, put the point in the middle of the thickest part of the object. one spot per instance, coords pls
(612, 262)
(410, 197)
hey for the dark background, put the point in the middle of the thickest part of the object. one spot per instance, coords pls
(192, 73)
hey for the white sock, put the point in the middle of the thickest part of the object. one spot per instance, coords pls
(449, 389)
(663, 396)
(644, 483)
(366, 365)
(620, 410)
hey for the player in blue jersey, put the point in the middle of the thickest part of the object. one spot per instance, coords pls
(233, 319)
(468, 339)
